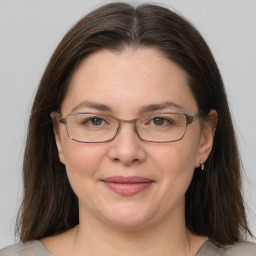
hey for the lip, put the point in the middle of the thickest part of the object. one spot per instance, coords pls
(127, 186)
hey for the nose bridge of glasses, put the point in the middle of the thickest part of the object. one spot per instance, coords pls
(131, 121)
(125, 121)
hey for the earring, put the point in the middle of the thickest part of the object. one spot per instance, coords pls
(202, 165)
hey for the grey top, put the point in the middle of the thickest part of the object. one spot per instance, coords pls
(37, 248)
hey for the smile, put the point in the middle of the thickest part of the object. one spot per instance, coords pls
(127, 186)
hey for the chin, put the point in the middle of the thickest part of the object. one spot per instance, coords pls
(128, 217)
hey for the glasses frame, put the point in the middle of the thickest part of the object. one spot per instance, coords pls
(63, 120)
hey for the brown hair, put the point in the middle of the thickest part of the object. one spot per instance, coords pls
(214, 204)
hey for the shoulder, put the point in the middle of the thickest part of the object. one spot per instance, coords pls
(237, 249)
(241, 248)
(31, 248)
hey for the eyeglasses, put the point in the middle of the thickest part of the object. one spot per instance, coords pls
(97, 128)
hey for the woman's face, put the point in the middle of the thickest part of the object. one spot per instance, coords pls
(155, 175)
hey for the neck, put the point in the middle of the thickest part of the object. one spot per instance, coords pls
(167, 238)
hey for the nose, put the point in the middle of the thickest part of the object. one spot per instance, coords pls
(127, 148)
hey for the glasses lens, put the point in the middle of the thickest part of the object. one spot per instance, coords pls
(86, 127)
(161, 127)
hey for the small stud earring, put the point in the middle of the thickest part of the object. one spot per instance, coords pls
(202, 165)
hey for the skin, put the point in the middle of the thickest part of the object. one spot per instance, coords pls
(151, 222)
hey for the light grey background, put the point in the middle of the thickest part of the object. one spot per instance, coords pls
(30, 31)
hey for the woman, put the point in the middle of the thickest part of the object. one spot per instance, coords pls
(131, 148)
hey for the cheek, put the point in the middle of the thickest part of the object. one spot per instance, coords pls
(176, 169)
(82, 160)
(176, 157)
(176, 162)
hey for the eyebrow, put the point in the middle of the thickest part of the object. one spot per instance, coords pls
(161, 106)
(90, 104)
(143, 109)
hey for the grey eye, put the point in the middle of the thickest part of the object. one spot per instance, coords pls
(96, 121)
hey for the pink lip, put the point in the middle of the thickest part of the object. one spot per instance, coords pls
(127, 186)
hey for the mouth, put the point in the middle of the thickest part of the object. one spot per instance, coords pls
(127, 186)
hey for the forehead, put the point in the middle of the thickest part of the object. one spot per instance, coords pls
(128, 80)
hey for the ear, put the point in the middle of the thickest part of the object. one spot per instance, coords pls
(207, 136)
(57, 138)
(59, 147)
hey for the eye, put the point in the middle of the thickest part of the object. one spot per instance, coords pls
(96, 121)
(158, 121)
(161, 121)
